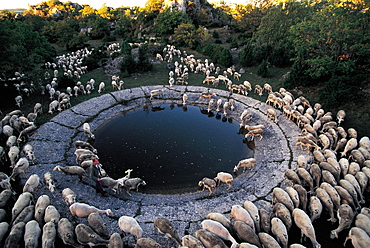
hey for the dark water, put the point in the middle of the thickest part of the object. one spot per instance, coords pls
(170, 147)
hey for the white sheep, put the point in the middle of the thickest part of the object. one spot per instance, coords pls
(32, 182)
(51, 214)
(101, 87)
(218, 229)
(18, 101)
(53, 106)
(83, 210)
(87, 130)
(28, 151)
(246, 163)
(271, 114)
(19, 168)
(69, 196)
(130, 225)
(225, 178)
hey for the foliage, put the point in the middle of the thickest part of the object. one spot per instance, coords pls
(131, 62)
(262, 69)
(217, 53)
(21, 48)
(246, 55)
(168, 20)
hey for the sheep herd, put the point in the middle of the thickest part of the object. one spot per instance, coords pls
(332, 176)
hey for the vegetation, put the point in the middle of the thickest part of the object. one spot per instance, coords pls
(324, 44)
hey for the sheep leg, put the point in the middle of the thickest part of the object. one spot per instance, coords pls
(128, 191)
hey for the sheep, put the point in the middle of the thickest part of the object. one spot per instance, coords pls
(267, 240)
(49, 234)
(246, 233)
(128, 224)
(37, 109)
(209, 239)
(83, 210)
(258, 89)
(304, 223)
(189, 241)
(51, 214)
(280, 232)
(225, 178)
(332, 193)
(307, 143)
(69, 196)
(271, 114)
(350, 145)
(327, 202)
(132, 183)
(7, 130)
(41, 204)
(79, 144)
(345, 215)
(221, 219)
(4, 228)
(352, 179)
(72, 170)
(267, 87)
(359, 238)
(184, 99)
(265, 220)
(11, 141)
(255, 132)
(13, 155)
(165, 227)
(97, 224)
(218, 229)
(66, 233)
(155, 93)
(246, 163)
(145, 243)
(53, 106)
(18, 101)
(315, 207)
(5, 196)
(280, 195)
(25, 215)
(87, 130)
(26, 133)
(19, 168)
(302, 193)
(49, 181)
(101, 87)
(207, 183)
(16, 235)
(218, 104)
(32, 182)
(283, 213)
(240, 213)
(28, 151)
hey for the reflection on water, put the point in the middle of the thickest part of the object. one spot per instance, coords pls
(170, 147)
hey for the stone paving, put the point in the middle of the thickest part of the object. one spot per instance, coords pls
(53, 144)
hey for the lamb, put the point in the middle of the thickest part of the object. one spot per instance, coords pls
(218, 229)
(32, 234)
(28, 151)
(130, 225)
(304, 223)
(83, 210)
(49, 181)
(207, 183)
(49, 234)
(225, 178)
(345, 215)
(51, 214)
(87, 130)
(66, 233)
(32, 182)
(132, 183)
(165, 227)
(19, 168)
(72, 170)
(246, 163)
(41, 204)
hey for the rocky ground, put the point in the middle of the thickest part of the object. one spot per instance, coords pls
(53, 144)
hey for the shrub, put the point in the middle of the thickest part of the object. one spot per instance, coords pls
(262, 69)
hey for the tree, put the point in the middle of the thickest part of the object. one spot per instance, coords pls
(168, 20)
(262, 69)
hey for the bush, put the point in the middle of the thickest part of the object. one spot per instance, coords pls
(218, 41)
(262, 69)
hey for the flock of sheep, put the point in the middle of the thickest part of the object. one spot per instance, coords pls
(333, 176)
